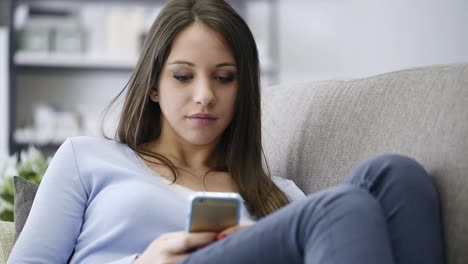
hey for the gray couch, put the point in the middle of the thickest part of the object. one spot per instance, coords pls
(314, 133)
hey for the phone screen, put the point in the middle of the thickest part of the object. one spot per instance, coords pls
(209, 214)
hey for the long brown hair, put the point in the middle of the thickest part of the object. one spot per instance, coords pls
(239, 151)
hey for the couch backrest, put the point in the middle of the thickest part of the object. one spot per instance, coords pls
(315, 133)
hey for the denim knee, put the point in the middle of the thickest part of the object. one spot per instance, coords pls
(346, 198)
(394, 160)
(399, 170)
(354, 197)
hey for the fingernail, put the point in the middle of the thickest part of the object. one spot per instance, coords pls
(198, 248)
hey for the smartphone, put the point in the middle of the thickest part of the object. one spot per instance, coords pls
(213, 211)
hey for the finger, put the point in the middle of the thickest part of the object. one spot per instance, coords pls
(186, 241)
(228, 231)
(232, 229)
(177, 257)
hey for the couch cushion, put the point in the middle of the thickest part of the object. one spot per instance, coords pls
(7, 235)
(315, 133)
(25, 191)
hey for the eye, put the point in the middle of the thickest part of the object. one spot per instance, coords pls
(182, 77)
(225, 78)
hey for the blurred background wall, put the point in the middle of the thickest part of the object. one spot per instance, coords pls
(355, 38)
(306, 40)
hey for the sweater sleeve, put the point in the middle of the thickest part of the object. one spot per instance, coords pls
(289, 188)
(126, 260)
(55, 219)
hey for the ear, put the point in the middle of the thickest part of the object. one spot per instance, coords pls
(153, 95)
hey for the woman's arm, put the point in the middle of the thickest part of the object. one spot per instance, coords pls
(55, 220)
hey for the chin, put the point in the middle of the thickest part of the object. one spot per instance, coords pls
(201, 140)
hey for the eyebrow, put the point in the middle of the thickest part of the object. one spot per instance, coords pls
(219, 65)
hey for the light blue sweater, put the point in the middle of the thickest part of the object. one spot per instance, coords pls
(99, 203)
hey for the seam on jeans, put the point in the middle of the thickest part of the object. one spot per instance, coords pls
(320, 213)
(331, 249)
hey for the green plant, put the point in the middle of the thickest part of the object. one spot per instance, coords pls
(31, 165)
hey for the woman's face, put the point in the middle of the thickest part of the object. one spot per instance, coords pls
(197, 87)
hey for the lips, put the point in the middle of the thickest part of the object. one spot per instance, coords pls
(203, 116)
(202, 119)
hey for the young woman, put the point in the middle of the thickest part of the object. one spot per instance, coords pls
(191, 122)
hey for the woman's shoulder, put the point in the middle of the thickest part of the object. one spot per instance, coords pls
(91, 141)
(93, 148)
(292, 191)
(94, 144)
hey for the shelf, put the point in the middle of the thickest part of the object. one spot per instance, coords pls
(33, 59)
(125, 1)
(39, 146)
(73, 61)
(48, 149)
(91, 1)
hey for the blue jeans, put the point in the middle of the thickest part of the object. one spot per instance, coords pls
(386, 211)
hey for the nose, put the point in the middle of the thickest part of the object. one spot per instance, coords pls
(203, 93)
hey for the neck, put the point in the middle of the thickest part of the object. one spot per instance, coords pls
(196, 158)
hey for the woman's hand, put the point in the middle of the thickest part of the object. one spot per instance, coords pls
(172, 247)
(231, 230)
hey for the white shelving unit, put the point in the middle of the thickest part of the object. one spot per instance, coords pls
(39, 59)
(3, 93)
(90, 79)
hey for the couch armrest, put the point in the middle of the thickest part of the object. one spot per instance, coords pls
(7, 239)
